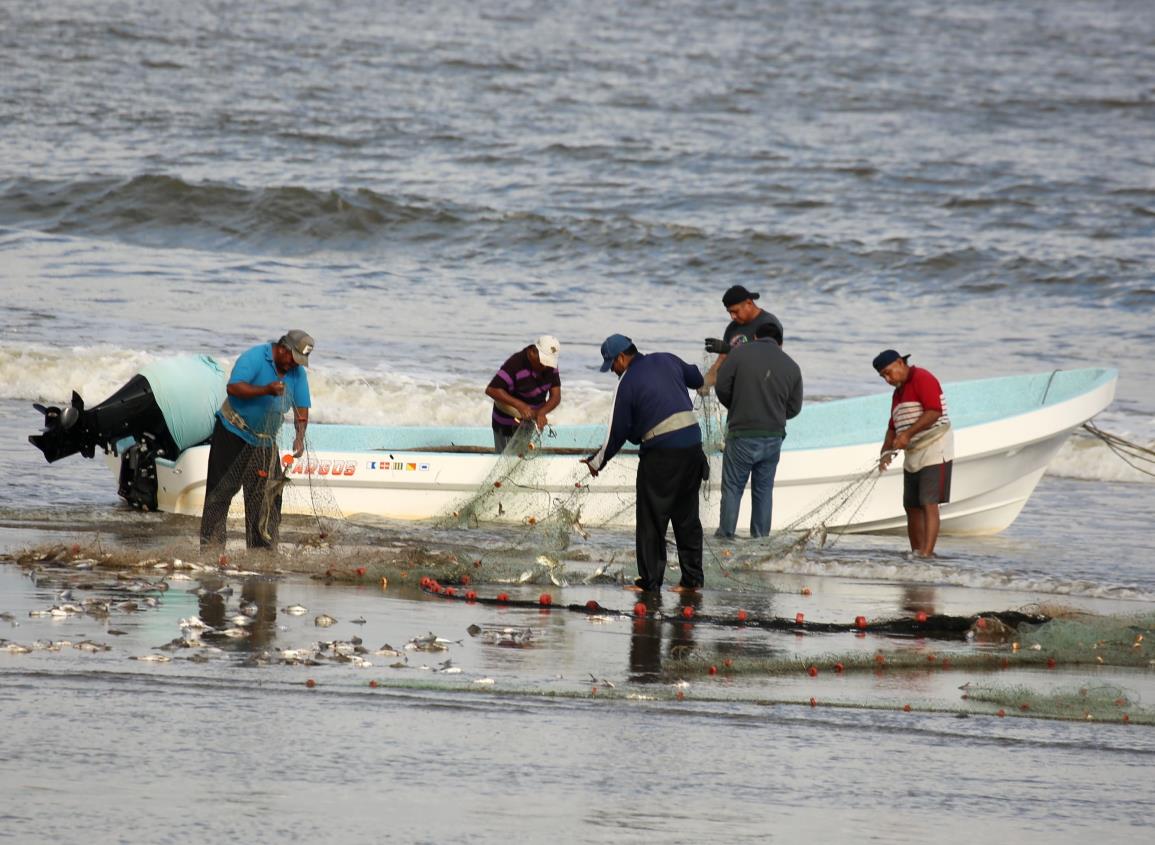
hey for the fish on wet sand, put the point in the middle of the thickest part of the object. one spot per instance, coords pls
(324, 620)
(430, 642)
(295, 610)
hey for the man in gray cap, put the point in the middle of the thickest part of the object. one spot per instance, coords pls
(652, 407)
(266, 382)
(745, 318)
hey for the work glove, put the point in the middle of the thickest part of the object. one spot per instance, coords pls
(717, 346)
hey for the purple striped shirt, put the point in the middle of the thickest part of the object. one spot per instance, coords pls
(517, 378)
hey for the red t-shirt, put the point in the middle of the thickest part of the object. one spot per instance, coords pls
(920, 392)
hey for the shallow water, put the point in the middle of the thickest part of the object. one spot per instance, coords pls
(429, 756)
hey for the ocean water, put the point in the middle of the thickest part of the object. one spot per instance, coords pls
(425, 187)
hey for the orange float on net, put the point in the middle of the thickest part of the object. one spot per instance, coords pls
(805, 591)
(639, 609)
(471, 597)
(743, 616)
(503, 597)
(812, 671)
(906, 708)
(310, 683)
(1001, 713)
(860, 622)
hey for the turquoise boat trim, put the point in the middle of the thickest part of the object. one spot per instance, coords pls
(821, 425)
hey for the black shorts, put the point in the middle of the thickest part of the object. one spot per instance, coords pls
(929, 486)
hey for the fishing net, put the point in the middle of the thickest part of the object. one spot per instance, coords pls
(250, 484)
(1089, 702)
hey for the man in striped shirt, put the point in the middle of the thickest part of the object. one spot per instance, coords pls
(525, 390)
(919, 425)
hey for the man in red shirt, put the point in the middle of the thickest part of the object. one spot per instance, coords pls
(919, 426)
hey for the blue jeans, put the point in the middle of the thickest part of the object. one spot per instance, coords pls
(745, 458)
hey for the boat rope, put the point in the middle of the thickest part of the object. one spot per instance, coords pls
(939, 626)
(1126, 450)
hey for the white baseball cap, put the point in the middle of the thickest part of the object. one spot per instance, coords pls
(548, 348)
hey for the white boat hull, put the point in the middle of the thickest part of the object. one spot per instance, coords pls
(998, 463)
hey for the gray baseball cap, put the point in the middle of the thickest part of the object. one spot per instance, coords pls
(300, 343)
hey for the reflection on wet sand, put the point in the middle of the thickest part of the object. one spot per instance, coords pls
(647, 633)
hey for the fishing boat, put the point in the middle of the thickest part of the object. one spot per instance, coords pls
(1007, 430)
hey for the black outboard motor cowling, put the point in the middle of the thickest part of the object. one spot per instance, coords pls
(130, 412)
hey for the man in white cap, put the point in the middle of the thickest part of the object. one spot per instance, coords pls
(525, 390)
(266, 382)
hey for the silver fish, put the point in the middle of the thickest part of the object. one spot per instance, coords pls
(295, 610)
(324, 621)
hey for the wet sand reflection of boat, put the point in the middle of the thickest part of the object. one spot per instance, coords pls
(1007, 430)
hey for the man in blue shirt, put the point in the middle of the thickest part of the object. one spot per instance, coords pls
(266, 382)
(652, 407)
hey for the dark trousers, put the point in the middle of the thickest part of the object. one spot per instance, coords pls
(235, 464)
(667, 490)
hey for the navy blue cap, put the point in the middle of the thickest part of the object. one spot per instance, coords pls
(612, 347)
(887, 357)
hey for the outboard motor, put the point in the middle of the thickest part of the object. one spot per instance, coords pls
(167, 407)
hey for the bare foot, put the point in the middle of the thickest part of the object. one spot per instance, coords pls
(683, 589)
(633, 588)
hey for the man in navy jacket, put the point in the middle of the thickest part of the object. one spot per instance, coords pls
(652, 408)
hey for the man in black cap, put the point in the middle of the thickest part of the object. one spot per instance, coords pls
(920, 427)
(745, 318)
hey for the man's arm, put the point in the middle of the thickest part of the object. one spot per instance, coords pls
(886, 455)
(503, 396)
(300, 422)
(711, 376)
(552, 401)
(244, 390)
(724, 385)
(794, 404)
(925, 420)
(621, 421)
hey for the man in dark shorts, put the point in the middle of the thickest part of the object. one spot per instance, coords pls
(525, 389)
(745, 319)
(919, 426)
